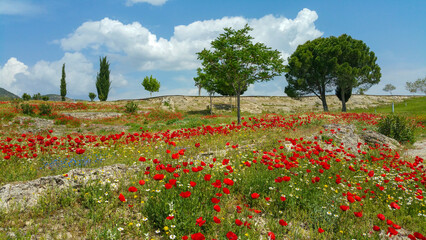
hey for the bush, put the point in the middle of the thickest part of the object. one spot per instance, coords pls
(45, 109)
(45, 98)
(397, 127)
(92, 96)
(26, 97)
(131, 107)
(27, 109)
(37, 96)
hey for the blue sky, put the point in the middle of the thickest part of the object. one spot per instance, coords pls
(160, 38)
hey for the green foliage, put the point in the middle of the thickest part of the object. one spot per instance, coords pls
(389, 88)
(320, 65)
(397, 127)
(131, 107)
(45, 98)
(37, 96)
(151, 84)
(235, 61)
(45, 109)
(63, 84)
(92, 96)
(27, 109)
(26, 97)
(103, 84)
(418, 85)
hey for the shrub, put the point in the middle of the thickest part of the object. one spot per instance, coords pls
(45, 109)
(45, 98)
(27, 109)
(92, 96)
(131, 107)
(37, 96)
(397, 127)
(26, 97)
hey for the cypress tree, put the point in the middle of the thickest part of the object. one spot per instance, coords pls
(103, 84)
(63, 84)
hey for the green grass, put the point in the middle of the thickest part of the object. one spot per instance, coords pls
(415, 106)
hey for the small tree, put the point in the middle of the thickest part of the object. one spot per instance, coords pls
(92, 96)
(389, 88)
(234, 59)
(151, 84)
(37, 96)
(208, 83)
(103, 84)
(26, 97)
(63, 84)
(418, 85)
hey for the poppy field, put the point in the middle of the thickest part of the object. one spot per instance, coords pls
(272, 177)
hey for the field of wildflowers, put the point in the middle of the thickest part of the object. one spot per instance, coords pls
(273, 177)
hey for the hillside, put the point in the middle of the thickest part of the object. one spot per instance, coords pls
(6, 95)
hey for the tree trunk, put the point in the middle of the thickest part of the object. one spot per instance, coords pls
(150, 94)
(342, 94)
(238, 105)
(211, 104)
(324, 102)
(199, 90)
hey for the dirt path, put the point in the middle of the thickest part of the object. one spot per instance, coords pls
(419, 149)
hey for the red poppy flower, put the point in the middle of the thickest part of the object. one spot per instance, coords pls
(141, 182)
(228, 181)
(226, 190)
(197, 236)
(394, 205)
(132, 189)
(418, 235)
(207, 177)
(192, 183)
(216, 208)
(392, 231)
(286, 178)
(158, 177)
(344, 208)
(142, 159)
(168, 185)
(200, 221)
(320, 230)
(197, 145)
(238, 222)
(80, 151)
(231, 236)
(411, 237)
(185, 194)
(216, 220)
(282, 198)
(376, 228)
(122, 198)
(215, 200)
(283, 223)
(255, 195)
(381, 216)
(389, 222)
(170, 217)
(358, 214)
(350, 199)
(271, 235)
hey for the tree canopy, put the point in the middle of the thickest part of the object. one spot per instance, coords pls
(235, 60)
(151, 84)
(324, 64)
(63, 84)
(103, 84)
(389, 88)
(418, 85)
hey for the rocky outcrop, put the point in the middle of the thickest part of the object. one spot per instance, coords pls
(26, 194)
(374, 138)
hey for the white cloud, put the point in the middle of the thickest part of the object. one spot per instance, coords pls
(17, 7)
(9, 72)
(152, 2)
(140, 49)
(44, 77)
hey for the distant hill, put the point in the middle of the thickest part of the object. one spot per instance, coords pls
(6, 95)
(56, 97)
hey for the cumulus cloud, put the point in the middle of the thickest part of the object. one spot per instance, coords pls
(152, 2)
(9, 72)
(138, 47)
(17, 7)
(44, 76)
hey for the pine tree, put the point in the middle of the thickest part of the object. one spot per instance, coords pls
(103, 84)
(63, 84)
